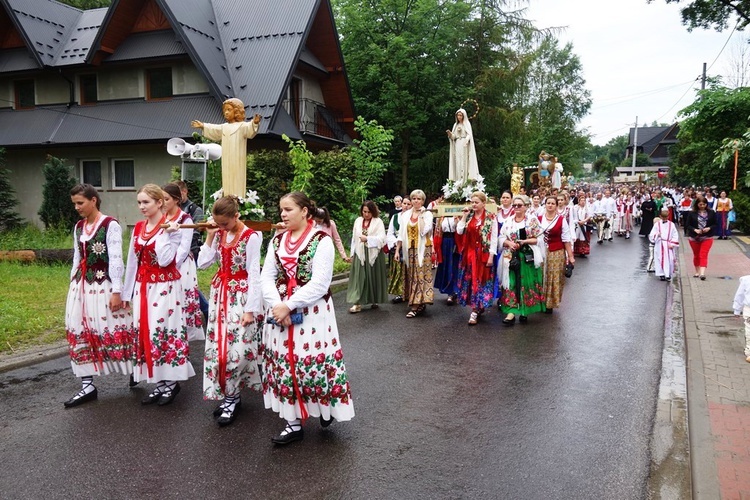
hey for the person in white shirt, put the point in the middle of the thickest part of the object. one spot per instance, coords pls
(665, 239)
(741, 307)
(610, 209)
(600, 217)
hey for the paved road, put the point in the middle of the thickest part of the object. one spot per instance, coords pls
(559, 408)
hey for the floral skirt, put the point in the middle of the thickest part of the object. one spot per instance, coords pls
(166, 339)
(395, 277)
(418, 287)
(191, 310)
(581, 247)
(368, 284)
(554, 277)
(317, 362)
(531, 290)
(99, 341)
(446, 275)
(233, 349)
(485, 293)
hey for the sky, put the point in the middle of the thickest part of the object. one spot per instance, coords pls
(638, 59)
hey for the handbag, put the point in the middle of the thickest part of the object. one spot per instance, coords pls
(569, 270)
(514, 264)
(528, 254)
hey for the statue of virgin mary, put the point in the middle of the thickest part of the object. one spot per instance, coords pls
(462, 164)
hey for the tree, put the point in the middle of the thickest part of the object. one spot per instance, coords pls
(87, 4)
(9, 217)
(739, 64)
(56, 209)
(717, 114)
(714, 14)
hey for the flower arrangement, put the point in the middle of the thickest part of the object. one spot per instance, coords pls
(460, 191)
(250, 206)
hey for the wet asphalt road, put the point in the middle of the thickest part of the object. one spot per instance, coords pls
(559, 408)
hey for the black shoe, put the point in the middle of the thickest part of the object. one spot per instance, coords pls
(325, 423)
(397, 299)
(610, 239)
(289, 437)
(548, 310)
(152, 398)
(599, 242)
(220, 409)
(509, 322)
(662, 278)
(224, 421)
(132, 382)
(169, 395)
(76, 401)
(523, 319)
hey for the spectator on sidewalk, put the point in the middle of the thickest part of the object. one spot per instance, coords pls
(700, 226)
(742, 308)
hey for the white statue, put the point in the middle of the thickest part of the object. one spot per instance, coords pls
(462, 164)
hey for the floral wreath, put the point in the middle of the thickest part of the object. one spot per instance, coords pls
(476, 107)
(250, 207)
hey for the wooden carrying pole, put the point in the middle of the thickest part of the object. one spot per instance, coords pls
(257, 225)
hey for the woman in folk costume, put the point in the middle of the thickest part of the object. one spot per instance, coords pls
(462, 162)
(191, 310)
(448, 257)
(665, 239)
(558, 251)
(415, 238)
(723, 207)
(99, 329)
(505, 212)
(396, 272)
(521, 265)
(303, 364)
(581, 216)
(235, 309)
(477, 239)
(152, 283)
(368, 275)
(625, 214)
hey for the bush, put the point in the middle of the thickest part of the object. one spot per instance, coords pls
(57, 210)
(9, 218)
(741, 203)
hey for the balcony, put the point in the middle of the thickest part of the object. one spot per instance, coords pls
(312, 117)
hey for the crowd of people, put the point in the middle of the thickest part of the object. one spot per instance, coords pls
(274, 330)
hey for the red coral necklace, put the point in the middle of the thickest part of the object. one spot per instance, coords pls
(147, 235)
(89, 230)
(290, 246)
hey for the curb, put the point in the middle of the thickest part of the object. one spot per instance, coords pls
(40, 354)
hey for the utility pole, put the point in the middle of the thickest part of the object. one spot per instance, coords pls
(635, 146)
(703, 78)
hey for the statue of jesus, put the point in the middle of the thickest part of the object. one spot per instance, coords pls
(233, 136)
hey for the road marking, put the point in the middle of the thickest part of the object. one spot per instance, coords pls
(744, 239)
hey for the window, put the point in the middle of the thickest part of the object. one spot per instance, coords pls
(89, 94)
(25, 94)
(159, 83)
(91, 172)
(123, 174)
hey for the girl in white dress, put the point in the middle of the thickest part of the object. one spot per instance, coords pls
(235, 309)
(303, 364)
(99, 329)
(152, 283)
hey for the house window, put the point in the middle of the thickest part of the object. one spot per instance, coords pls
(25, 94)
(159, 83)
(91, 172)
(123, 174)
(89, 93)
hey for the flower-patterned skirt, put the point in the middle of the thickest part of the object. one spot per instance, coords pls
(554, 277)
(395, 276)
(102, 343)
(167, 338)
(240, 344)
(191, 308)
(418, 284)
(318, 364)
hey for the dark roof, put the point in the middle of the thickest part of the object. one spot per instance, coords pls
(651, 138)
(244, 50)
(107, 122)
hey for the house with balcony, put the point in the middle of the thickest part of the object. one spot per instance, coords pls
(655, 143)
(107, 88)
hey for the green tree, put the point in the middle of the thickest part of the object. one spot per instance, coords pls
(301, 159)
(716, 14)
(9, 217)
(56, 209)
(87, 4)
(717, 114)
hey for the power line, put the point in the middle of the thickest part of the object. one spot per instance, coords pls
(725, 45)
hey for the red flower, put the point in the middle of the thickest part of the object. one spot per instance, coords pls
(321, 358)
(334, 342)
(307, 391)
(318, 390)
(317, 344)
(336, 391)
(306, 346)
(284, 391)
(338, 355)
(308, 360)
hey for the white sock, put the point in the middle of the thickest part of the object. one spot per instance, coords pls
(292, 426)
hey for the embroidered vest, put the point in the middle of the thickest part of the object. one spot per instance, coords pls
(94, 253)
(149, 270)
(232, 263)
(303, 272)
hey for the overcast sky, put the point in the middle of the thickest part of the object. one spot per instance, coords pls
(638, 59)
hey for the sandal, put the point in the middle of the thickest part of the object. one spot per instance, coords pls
(355, 308)
(473, 318)
(411, 314)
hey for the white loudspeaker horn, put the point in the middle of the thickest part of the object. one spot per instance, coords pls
(207, 151)
(178, 147)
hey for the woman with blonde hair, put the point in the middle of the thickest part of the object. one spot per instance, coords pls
(415, 237)
(152, 283)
